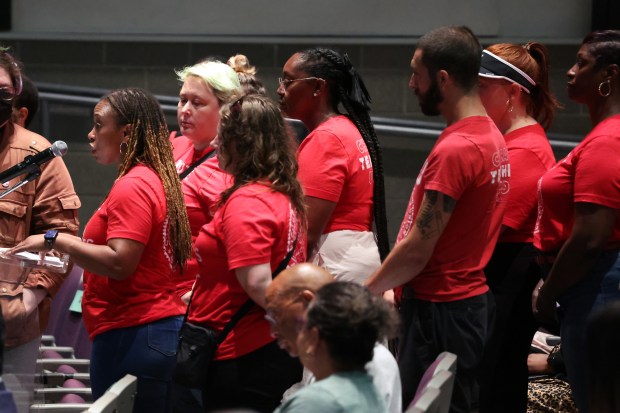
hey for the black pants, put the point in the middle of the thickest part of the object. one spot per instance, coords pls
(429, 328)
(512, 274)
(255, 381)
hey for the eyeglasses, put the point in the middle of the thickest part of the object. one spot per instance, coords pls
(7, 94)
(274, 323)
(285, 82)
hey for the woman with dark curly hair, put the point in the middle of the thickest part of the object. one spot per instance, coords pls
(340, 163)
(130, 248)
(260, 218)
(336, 340)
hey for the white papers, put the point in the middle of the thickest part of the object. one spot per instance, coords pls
(29, 259)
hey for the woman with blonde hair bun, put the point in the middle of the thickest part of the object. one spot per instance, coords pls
(247, 74)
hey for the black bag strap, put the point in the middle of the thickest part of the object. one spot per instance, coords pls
(182, 176)
(243, 310)
(193, 166)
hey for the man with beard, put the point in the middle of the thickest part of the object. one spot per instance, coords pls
(452, 221)
(46, 205)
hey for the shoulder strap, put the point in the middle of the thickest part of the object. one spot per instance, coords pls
(243, 310)
(193, 166)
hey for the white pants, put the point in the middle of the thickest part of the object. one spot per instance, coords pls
(348, 255)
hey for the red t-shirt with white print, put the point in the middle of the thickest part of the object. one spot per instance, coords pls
(469, 163)
(334, 165)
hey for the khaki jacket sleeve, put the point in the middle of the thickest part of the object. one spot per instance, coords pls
(55, 207)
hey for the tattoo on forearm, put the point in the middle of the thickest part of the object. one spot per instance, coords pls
(448, 204)
(429, 221)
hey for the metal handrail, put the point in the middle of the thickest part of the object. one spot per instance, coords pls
(88, 97)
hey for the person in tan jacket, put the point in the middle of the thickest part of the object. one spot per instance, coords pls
(46, 203)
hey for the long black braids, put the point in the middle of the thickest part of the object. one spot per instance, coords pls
(347, 87)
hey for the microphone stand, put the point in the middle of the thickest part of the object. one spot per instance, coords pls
(33, 171)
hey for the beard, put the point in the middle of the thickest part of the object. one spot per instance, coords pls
(429, 101)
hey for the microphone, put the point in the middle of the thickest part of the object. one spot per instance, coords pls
(32, 162)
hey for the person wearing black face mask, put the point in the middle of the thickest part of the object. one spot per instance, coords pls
(6, 105)
(46, 204)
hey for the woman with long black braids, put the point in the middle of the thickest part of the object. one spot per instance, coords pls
(340, 164)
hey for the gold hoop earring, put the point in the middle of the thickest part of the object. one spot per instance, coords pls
(120, 148)
(600, 88)
(510, 107)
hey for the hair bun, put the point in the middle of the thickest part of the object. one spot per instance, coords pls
(241, 64)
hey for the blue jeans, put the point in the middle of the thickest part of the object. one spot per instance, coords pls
(599, 287)
(147, 351)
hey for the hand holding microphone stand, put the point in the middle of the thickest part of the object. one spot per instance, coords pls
(31, 166)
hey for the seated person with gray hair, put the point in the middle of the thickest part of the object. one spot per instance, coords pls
(289, 296)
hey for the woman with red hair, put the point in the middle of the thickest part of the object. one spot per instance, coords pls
(514, 88)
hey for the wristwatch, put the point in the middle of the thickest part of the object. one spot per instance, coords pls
(50, 238)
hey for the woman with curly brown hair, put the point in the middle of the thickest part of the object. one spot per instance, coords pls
(260, 219)
(130, 249)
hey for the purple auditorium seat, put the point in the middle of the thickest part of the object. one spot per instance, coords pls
(7, 403)
(66, 369)
(66, 325)
(50, 354)
(73, 384)
(444, 362)
(72, 398)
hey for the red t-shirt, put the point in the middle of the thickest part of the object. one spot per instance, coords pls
(134, 209)
(334, 165)
(469, 163)
(530, 157)
(256, 225)
(589, 173)
(201, 190)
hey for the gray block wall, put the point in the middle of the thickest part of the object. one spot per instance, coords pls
(150, 64)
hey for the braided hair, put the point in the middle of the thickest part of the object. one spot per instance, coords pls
(346, 87)
(148, 145)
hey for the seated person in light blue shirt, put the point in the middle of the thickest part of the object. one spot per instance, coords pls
(336, 340)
